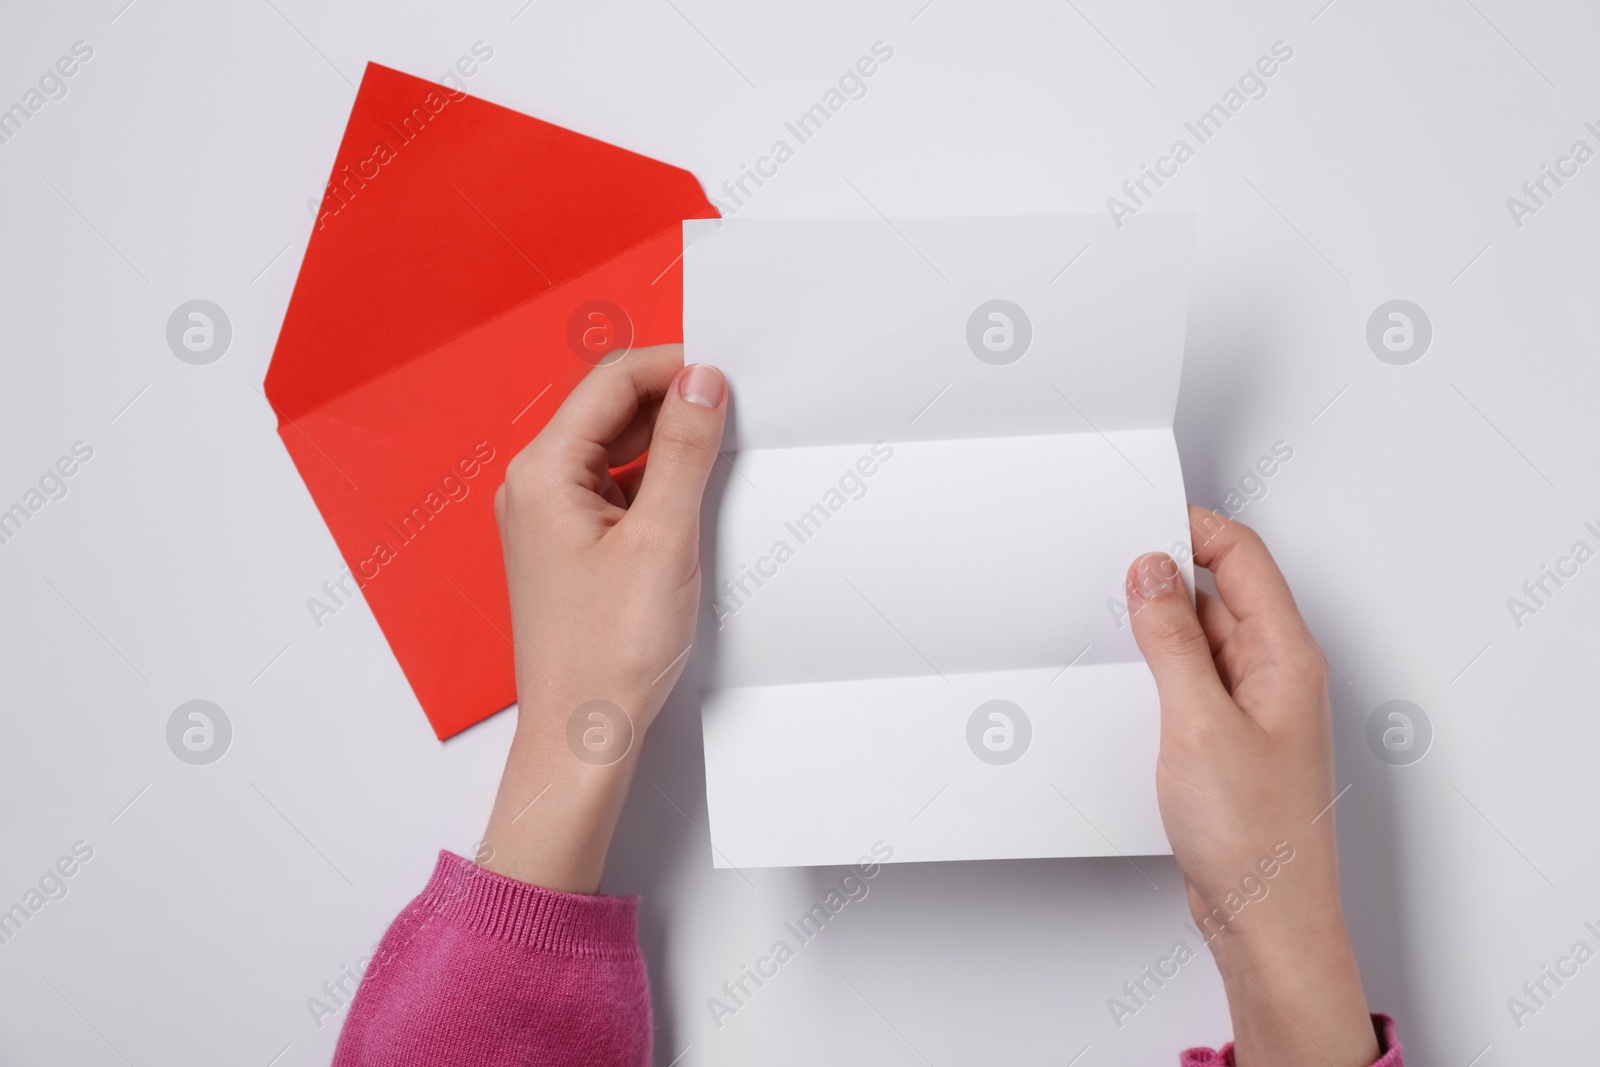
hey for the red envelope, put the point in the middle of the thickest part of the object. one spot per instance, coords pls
(469, 265)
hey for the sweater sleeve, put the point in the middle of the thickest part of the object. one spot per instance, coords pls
(486, 971)
(1388, 1049)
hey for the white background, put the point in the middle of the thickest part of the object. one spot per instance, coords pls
(1418, 500)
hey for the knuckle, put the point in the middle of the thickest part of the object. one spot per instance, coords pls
(1178, 638)
(1244, 531)
(519, 469)
(527, 479)
(1313, 667)
(1208, 526)
(682, 441)
(1299, 660)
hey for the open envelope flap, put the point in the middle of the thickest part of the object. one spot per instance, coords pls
(429, 338)
(443, 210)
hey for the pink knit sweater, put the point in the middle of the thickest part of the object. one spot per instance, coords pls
(483, 971)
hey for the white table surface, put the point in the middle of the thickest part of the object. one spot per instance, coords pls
(1419, 499)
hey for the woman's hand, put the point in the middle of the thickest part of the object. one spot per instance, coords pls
(604, 577)
(1245, 783)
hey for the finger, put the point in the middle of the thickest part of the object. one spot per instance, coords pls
(1248, 579)
(628, 479)
(631, 443)
(1170, 636)
(1215, 619)
(603, 405)
(1219, 624)
(613, 492)
(682, 451)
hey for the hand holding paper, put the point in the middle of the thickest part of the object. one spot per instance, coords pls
(1245, 780)
(604, 582)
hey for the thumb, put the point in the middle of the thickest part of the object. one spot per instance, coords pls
(1169, 632)
(683, 449)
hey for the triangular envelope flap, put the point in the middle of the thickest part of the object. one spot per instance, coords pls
(437, 432)
(425, 178)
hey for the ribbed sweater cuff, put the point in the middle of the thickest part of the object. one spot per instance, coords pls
(464, 894)
(1389, 1054)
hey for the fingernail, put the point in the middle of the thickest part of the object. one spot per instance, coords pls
(702, 384)
(1155, 575)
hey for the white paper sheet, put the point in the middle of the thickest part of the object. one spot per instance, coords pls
(929, 505)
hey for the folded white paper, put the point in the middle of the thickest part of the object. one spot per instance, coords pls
(944, 450)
